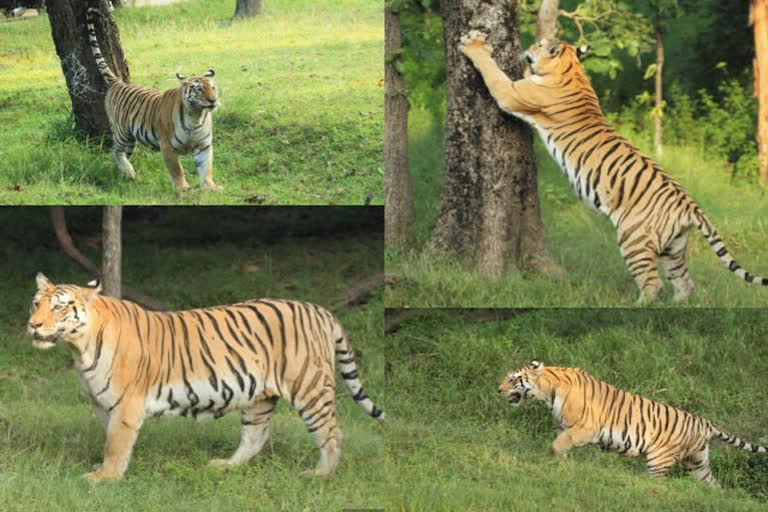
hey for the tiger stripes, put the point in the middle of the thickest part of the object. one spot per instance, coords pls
(175, 122)
(652, 213)
(134, 364)
(590, 411)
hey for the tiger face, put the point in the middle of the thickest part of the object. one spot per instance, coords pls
(200, 92)
(58, 313)
(519, 383)
(545, 57)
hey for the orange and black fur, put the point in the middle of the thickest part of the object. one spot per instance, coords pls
(134, 364)
(652, 213)
(589, 411)
(175, 122)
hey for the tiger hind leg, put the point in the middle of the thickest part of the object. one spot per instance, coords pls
(642, 261)
(660, 463)
(673, 262)
(255, 432)
(123, 149)
(697, 466)
(319, 415)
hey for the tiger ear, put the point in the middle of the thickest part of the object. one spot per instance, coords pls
(537, 365)
(181, 78)
(582, 50)
(42, 282)
(92, 289)
(210, 73)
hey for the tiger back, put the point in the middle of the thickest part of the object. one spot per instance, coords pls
(175, 122)
(652, 213)
(202, 363)
(590, 411)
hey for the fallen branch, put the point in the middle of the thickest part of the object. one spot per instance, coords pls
(359, 293)
(68, 246)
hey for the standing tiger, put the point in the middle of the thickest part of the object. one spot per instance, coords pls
(651, 212)
(175, 122)
(590, 411)
(135, 364)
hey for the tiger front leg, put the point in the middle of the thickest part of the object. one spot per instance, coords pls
(506, 93)
(175, 170)
(568, 439)
(122, 430)
(204, 162)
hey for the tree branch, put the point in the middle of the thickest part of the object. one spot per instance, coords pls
(65, 240)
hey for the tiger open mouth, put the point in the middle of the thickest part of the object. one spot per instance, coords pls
(514, 398)
(45, 342)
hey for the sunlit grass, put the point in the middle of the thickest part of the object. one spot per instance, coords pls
(302, 106)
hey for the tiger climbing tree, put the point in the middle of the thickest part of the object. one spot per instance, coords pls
(490, 208)
(86, 85)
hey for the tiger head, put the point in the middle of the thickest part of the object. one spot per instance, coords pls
(520, 383)
(200, 92)
(58, 313)
(546, 57)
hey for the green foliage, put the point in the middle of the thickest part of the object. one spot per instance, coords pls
(301, 120)
(423, 60)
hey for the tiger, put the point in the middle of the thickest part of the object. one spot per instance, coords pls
(651, 212)
(589, 411)
(175, 122)
(201, 363)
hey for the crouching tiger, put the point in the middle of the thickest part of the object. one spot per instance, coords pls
(175, 122)
(651, 212)
(590, 411)
(200, 363)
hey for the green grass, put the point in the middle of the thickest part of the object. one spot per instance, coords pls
(48, 435)
(583, 242)
(463, 447)
(301, 120)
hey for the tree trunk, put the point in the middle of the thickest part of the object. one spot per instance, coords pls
(546, 21)
(758, 15)
(490, 211)
(247, 8)
(84, 81)
(112, 250)
(658, 110)
(398, 181)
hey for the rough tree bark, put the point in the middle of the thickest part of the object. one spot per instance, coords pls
(758, 16)
(397, 213)
(247, 8)
(546, 20)
(86, 85)
(111, 245)
(490, 207)
(657, 121)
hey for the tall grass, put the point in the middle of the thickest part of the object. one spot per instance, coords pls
(464, 448)
(583, 242)
(301, 118)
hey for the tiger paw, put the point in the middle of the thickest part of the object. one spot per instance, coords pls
(220, 463)
(211, 186)
(474, 44)
(100, 476)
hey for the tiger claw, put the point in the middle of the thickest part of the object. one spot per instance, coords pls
(474, 40)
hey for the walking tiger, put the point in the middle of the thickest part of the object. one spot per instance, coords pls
(652, 213)
(134, 364)
(589, 411)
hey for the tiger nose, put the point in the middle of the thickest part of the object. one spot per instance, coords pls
(34, 325)
(501, 390)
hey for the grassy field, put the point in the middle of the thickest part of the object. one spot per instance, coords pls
(583, 242)
(464, 448)
(301, 122)
(48, 435)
